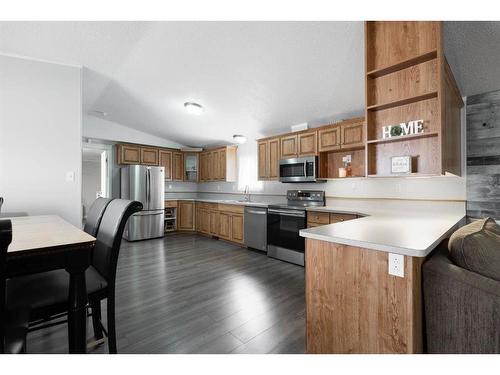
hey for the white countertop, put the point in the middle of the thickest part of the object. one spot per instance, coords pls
(407, 233)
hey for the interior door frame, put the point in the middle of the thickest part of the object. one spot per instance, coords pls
(108, 149)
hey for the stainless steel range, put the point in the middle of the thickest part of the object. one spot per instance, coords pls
(285, 221)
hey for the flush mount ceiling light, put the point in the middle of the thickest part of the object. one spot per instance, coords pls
(100, 113)
(238, 138)
(193, 108)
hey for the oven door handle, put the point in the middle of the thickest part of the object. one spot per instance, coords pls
(287, 212)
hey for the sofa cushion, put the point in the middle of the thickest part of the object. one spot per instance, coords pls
(476, 247)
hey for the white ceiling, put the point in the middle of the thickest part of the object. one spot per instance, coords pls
(473, 51)
(253, 78)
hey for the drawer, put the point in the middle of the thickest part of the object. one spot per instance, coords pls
(238, 209)
(318, 217)
(206, 205)
(337, 218)
(170, 204)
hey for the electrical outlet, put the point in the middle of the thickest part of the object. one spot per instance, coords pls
(396, 265)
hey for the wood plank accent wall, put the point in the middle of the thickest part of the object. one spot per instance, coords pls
(483, 155)
(354, 306)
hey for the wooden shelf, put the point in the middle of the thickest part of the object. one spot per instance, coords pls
(403, 138)
(400, 102)
(402, 64)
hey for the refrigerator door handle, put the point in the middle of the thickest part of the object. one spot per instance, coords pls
(148, 188)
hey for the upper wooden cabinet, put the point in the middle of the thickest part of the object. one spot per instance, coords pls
(149, 156)
(177, 166)
(288, 146)
(135, 154)
(329, 138)
(307, 142)
(352, 134)
(166, 163)
(191, 166)
(218, 164)
(298, 145)
(128, 154)
(268, 159)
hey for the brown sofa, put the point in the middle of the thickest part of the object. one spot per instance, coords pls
(462, 306)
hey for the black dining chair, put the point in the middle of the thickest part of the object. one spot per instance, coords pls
(94, 215)
(13, 324)
(47, 293)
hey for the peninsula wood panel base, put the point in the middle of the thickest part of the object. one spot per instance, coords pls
(354, 306)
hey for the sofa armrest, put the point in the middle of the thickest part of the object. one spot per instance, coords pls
(462, 308)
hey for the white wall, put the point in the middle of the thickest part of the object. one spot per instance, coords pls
(40, 138)
(94, 127)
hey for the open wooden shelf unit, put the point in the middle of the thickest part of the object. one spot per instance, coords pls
(408, 79)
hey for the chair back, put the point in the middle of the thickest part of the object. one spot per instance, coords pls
(5, 240)
(109, 236)
(94, 215)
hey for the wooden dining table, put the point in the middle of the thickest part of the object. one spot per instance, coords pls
(46, 243)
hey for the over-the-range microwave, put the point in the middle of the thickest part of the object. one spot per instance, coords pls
(299, 169)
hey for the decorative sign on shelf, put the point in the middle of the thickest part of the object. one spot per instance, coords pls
(401, 164)
(402, 129)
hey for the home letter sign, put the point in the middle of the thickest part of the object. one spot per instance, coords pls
(402, 129)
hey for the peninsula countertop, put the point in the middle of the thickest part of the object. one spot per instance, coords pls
(399, 232)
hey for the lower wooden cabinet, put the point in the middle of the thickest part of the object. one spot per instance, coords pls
(213, 216)
(237, 228)
(225, 221)
(225, 225)
(186, 216)
(317, 218)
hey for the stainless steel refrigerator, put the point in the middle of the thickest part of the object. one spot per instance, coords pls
(146, 185)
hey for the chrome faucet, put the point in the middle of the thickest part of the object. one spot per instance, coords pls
(247, 194)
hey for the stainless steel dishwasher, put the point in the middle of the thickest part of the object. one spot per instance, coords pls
(256, 228)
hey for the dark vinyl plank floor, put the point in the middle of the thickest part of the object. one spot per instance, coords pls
(187, 293)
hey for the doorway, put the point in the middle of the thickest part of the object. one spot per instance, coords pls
(96, 174)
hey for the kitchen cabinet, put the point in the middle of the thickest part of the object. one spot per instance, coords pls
(186, 220)
(237, 228)
(307, 144)
(329, 138)
(352, 135)
(204, 221)
(225, 225)
(135, 154)
(128, 154)
(149, 156)
(191, 166)
(166, 163)
(298, 145)
(177, 166)
(317, 218)
(218, 164)
(288, 147)
(213, 216)
(268, 159)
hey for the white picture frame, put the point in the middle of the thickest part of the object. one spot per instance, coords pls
(401, 165)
